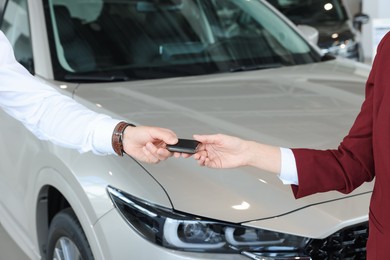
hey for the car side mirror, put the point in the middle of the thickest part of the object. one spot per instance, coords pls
(310, 33)
(360, 19)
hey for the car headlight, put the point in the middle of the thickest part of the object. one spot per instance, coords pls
(344, 48)
(180, 231)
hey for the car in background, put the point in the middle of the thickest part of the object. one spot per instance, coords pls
(194, 66)
(339, 34)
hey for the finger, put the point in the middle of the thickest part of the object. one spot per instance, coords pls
(208, 163)
(166, 135)
(206, 139)
(176, 155)
(186, 155)
(163, 153)
(201, 147)
(196, 156)
(201, 161)
(151, 148)
(200, 154)
(150, 154)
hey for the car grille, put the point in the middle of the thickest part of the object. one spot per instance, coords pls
(348, 243)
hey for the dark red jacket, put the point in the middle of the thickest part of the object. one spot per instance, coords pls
(363, 154)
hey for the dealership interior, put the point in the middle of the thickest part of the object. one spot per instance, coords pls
(379, 14)
(367, 20)
(378, 24)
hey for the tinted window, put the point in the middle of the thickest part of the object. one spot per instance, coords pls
(16, 27)
(2, 3)
(154, 39)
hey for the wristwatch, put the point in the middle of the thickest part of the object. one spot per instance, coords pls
(117, 137)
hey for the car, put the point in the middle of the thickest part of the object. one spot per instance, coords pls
(339, 34)
(205, 66)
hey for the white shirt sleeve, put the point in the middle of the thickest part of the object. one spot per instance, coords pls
(47, 113)
(288, 172)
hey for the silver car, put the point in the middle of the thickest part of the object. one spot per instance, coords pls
(339, 34)
(194, 66)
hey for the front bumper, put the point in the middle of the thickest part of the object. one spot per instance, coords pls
(119, 241)
(337, 234)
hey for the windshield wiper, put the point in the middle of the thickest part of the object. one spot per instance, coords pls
(255, 67)
(96, 78)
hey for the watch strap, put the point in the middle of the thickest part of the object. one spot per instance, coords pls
(117, 137)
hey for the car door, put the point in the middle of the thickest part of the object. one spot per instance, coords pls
(17, 145)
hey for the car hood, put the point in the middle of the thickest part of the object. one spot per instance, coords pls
(301, 106)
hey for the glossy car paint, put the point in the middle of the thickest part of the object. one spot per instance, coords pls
(283, 106)
(303, 106)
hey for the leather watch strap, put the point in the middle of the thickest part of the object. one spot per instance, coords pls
(117, 137)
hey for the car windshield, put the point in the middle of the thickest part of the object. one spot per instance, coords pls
(313, 12)
(108, 40)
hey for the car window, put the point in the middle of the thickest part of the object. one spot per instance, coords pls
(154, 39)
(312, 12)
(16, 27)
(2, 4)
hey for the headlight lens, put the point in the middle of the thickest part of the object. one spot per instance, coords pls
(347, 48)
(180, 231)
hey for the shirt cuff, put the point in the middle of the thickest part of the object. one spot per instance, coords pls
(288, 172)
(103, 135)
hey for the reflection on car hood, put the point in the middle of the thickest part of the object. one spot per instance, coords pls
(303, 106)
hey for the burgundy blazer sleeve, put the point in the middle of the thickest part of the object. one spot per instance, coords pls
(352, 163)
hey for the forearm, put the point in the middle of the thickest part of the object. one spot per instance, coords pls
(263, 156)
(52, 116)
(72, 125)
(49, 114)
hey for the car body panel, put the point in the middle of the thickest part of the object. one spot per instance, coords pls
(78, 177)
(250, 110)
(335, 215)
